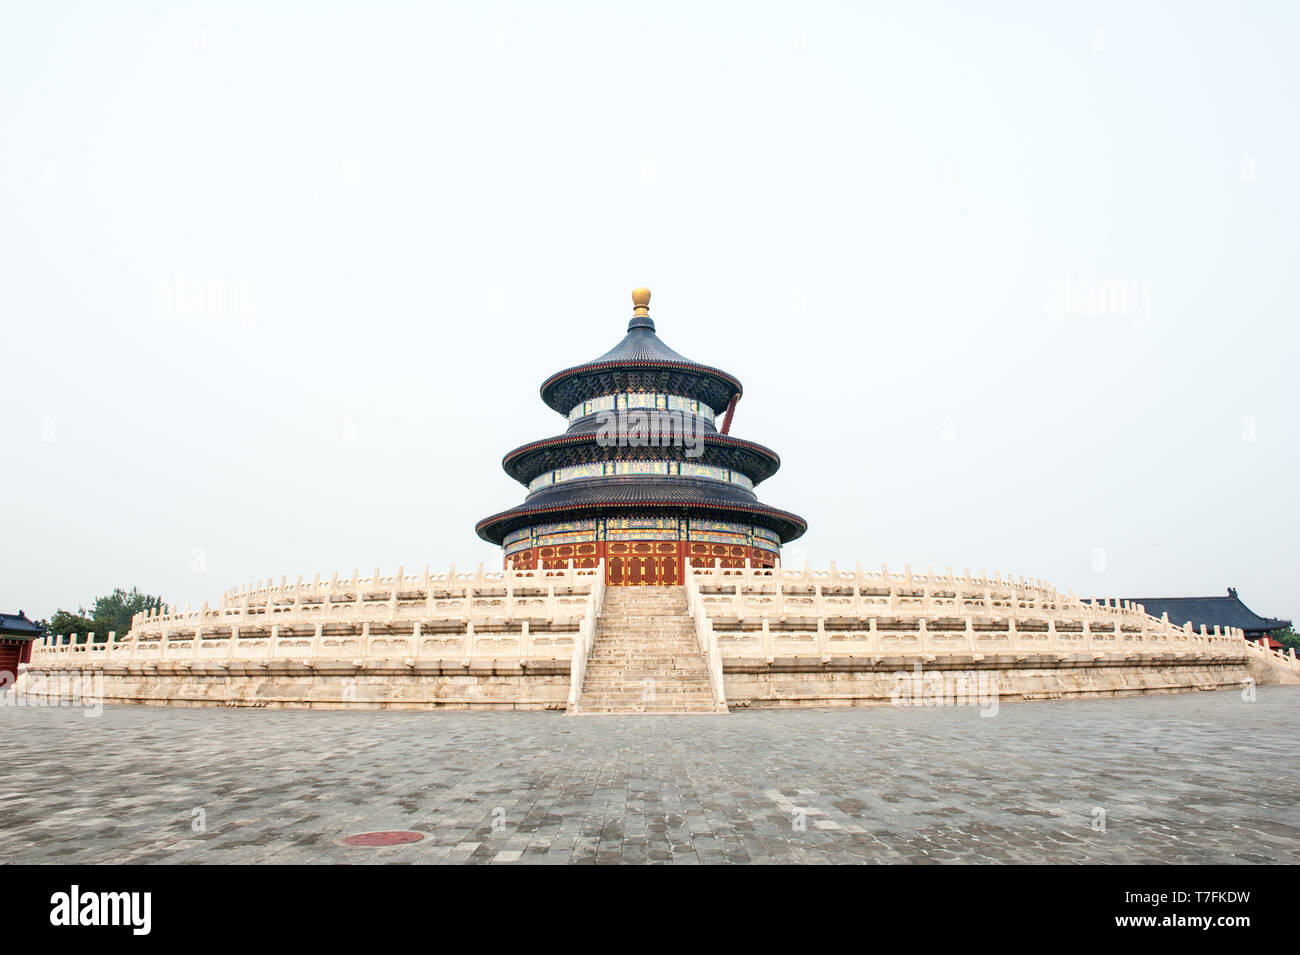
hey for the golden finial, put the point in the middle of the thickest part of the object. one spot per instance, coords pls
(641, 299)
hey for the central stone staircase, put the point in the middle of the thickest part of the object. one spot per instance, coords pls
(646, 657)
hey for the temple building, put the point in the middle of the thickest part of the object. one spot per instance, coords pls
(646, 476)
(17, 635)
(1210, 612)
(646, 486)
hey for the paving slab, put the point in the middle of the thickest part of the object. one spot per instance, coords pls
(1184, 778)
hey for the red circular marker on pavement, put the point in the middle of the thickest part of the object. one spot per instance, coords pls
(390, 837)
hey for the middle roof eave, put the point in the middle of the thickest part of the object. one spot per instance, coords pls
(524, 463)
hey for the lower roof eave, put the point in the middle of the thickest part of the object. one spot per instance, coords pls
(494, 529)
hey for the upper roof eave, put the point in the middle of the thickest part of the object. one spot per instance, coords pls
(550, 385)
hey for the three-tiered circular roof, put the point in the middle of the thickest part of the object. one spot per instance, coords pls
(640, 364)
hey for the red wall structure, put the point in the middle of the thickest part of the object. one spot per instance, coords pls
(641, 563)
(12, 653)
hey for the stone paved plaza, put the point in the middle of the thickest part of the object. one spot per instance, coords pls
(1198, 777)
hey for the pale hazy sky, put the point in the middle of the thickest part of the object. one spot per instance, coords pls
(869, 213)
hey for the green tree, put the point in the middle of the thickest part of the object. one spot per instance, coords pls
(114, 611)
(110, 613)
(1288, 638)
(65, 622)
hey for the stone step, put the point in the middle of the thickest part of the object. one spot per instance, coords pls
(678, 701)
(646, 656)
(668, 653)
(643, 596)
(634, 610)
(637, 676)
(643, 667)
(642, 662)
(640, 683)
(644, 684)
(648, 607)
(637, 688)
(649, 638)
(623, 600)
(603, 695)
(623, 651)
(614, 613)
(638, 691)
(648, 711)
(678, 647)
(644, 613)
(650, 618)
(647, 601)
(646, 640)
(646, 627)
(661, 708)
(673, 648)
(674, 645)
(644, 604)
(643, 672)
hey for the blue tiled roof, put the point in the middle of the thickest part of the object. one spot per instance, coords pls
(17, 625)
(1226, 611)
(620, 495)
(641, 344)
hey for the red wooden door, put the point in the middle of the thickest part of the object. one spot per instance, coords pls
(10, 653)
(666, 572)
